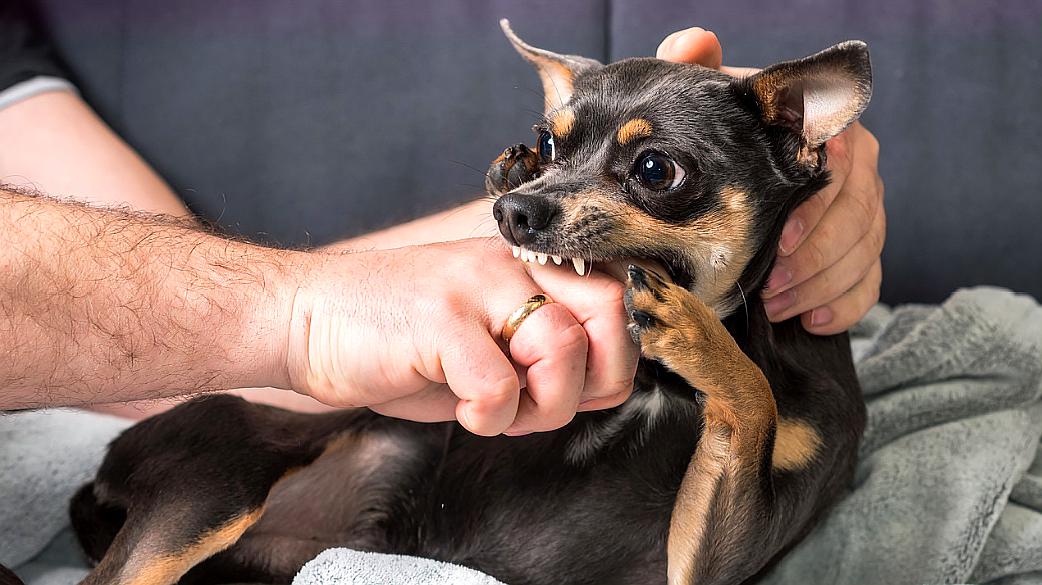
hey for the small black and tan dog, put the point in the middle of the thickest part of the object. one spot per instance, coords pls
(739, 432)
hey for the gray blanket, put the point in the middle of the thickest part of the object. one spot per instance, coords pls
(948, 489)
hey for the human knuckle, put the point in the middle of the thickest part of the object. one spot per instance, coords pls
(572, 338)
(816, 204)
(872, 143)
(814, 254)
(445, 307)
(550, 418)
(620, 398)
(877, 238)
(876, 281)
(622, 386)
(497, 389)
(873, 295)
(864, 206)
(830, 284)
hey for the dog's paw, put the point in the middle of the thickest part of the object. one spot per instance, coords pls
(517, 164)
(669, 323)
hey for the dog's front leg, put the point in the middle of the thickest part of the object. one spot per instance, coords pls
(721, 530)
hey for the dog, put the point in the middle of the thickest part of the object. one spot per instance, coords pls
(739, 432)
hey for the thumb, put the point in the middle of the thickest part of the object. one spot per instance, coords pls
(694, 45)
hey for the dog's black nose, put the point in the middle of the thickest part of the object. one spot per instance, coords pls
(521, 217)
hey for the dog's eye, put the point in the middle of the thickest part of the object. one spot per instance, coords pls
(547, 150)
(658, 172)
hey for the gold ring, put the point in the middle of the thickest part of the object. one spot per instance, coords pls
(521, 313)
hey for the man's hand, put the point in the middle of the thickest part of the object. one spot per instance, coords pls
(415, 333)
(103, 305)
(828, 269)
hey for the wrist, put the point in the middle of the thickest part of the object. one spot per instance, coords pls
(260, 359)
(318, 306)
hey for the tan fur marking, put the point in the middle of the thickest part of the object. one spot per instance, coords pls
(635, 128)
(687, 525)
(717, 244)
(562, 122)
(558, 82)
(168, 569)
(796, 443)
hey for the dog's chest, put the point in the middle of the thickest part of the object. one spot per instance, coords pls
(633, 425)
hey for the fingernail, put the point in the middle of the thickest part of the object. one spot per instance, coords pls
(790, 236)
(778, 304)
(780, 276)
(511, 433)
(820, 316)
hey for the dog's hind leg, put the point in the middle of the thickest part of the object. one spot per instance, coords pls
(191, 481)
(761, 469)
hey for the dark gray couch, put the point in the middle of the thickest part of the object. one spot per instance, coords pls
(302, 121)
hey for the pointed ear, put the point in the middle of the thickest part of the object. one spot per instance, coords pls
(557, 72)
(817, 96)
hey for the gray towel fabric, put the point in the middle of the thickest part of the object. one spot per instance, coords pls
(342, 566)
(949, 484)
(44, 457)
(948, 489)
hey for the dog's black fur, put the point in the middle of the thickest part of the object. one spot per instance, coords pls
(697, 478)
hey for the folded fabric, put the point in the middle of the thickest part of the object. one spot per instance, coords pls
(342, 566)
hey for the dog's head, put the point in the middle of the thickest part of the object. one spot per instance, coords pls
(675, 163)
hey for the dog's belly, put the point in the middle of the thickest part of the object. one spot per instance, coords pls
(525, 510)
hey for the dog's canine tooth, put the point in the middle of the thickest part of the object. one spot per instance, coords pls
(516, 250)
(557, 260)
(541, 258)
(580, 266)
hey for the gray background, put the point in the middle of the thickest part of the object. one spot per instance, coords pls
(300, 122)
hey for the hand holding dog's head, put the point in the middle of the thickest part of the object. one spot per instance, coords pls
(674, 162)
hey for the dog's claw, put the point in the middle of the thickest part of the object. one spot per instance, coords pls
(638, 277)
(642, 319)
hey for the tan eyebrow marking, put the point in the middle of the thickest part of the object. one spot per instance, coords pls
(562, 122)
(635, 128)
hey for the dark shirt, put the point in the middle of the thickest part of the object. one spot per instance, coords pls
(24, 50)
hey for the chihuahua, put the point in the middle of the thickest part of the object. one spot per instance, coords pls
(739, 432)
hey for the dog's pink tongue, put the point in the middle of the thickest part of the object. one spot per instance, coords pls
(617, 268)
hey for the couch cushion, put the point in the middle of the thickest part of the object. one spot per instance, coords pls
(302, 122)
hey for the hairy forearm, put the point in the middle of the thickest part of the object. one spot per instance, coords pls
(106, 305)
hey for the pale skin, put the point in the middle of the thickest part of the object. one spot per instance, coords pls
(131, 312)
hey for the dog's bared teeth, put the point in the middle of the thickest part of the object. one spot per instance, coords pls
(541, 258)
(516, 250)
(557, 260)
(580, 266)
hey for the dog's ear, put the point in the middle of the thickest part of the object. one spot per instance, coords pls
(557, 72)
(818, 96)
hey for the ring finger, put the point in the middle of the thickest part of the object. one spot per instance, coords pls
(552, 345)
